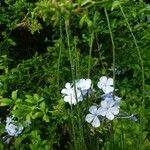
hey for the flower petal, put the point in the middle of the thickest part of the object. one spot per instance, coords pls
(110, 81)
(95, 122)
(111, 103)
(89, 118)
(104, 103)
(108, 89)
(102, 111)
(63, 91)
(70, 99)
(68, 85)
(103, 80)
(67, 98)
(109, 115)
(114, 110)
(93, 109)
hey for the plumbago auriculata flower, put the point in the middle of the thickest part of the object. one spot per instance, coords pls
(107, 109)
(73, 94)
(106, 84)
(11, 128)
(93, 116)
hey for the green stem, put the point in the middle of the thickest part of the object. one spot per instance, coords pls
(113, 49)
(143, 77)
(73, 131)
(90, 54)
(60, 51)
(139, 54)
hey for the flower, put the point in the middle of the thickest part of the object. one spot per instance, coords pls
(67, 90)
(71, 95)
(84, 85)
(105, 84)
(134, 118)
(12, 129)
(93, 116)
(109, 108)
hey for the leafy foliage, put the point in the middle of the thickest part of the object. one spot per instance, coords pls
(45, 43)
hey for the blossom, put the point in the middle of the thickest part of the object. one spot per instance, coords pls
(109, 108)
(67, 90)
(84, 85)
(134, 118)
(11, 128)
(71, 95)
(105, 84)
(93, 116)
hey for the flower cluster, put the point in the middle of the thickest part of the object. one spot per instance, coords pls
(109, 105)
(11, 128)
(108, 109)
(74, 93)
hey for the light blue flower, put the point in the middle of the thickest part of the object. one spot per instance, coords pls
(11, 128)
(106, 84)
(134, 118)
(93, 116)
(109, 109)
(84, 85)
(71, 95)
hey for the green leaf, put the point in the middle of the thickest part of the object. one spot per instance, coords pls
(38, 114)
(116, 4)
(30, 100)
(28, 118)
(37, 98)
(42, 106)
(85, 2)
(46, 118)
(5, 102)
(14, 95)
(85, 19)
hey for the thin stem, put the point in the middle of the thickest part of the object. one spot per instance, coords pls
(143, 77)
(60, 51)
(77, 59)
(90, 54)
(73, 131)
(113, 49)
(139, 54)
